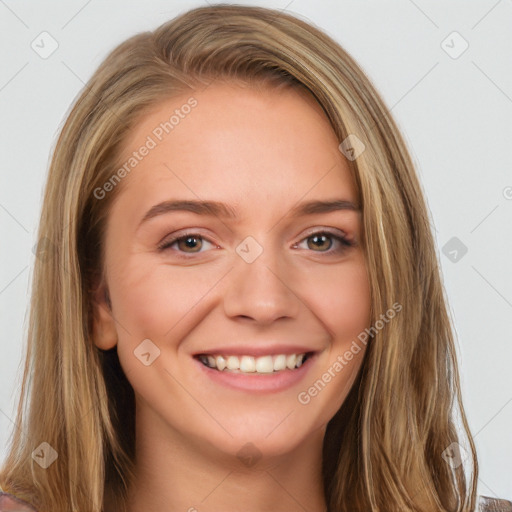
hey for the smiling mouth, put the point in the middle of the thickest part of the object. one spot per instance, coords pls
(258, 365)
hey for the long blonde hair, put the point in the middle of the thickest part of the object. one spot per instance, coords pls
(384, 449)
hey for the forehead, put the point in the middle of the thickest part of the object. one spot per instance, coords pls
(231, 142)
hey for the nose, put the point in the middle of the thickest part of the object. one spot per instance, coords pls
(262, 290)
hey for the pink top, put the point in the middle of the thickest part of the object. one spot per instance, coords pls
(9, 503)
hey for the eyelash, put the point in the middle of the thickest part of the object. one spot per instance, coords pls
(344, 242)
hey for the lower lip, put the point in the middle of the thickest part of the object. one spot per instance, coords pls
(259, 382)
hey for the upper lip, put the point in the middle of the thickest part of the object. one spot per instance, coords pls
(257, 350)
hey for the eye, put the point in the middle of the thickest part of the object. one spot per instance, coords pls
(325, 240)
(190, 243)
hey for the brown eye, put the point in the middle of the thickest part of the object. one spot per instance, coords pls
(320, 241)
(326, 242)
(189, 242)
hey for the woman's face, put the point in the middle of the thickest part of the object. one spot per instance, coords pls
(258, 287)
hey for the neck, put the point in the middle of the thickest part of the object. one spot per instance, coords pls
(173, 474)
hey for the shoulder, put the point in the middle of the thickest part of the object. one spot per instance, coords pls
(486, 504)
(10, 503)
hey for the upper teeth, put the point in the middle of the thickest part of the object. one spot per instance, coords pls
(249, 364)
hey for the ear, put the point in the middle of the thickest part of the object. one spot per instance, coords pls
(104, 332)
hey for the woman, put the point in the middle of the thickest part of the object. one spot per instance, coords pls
(201, 347)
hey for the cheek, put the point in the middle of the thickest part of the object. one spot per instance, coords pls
(342, 301)
(151, 300)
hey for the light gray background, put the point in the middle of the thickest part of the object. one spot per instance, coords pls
(454, 112)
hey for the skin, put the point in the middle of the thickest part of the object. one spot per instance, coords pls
(262, 152)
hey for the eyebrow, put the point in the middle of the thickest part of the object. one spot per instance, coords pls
(216, 209)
